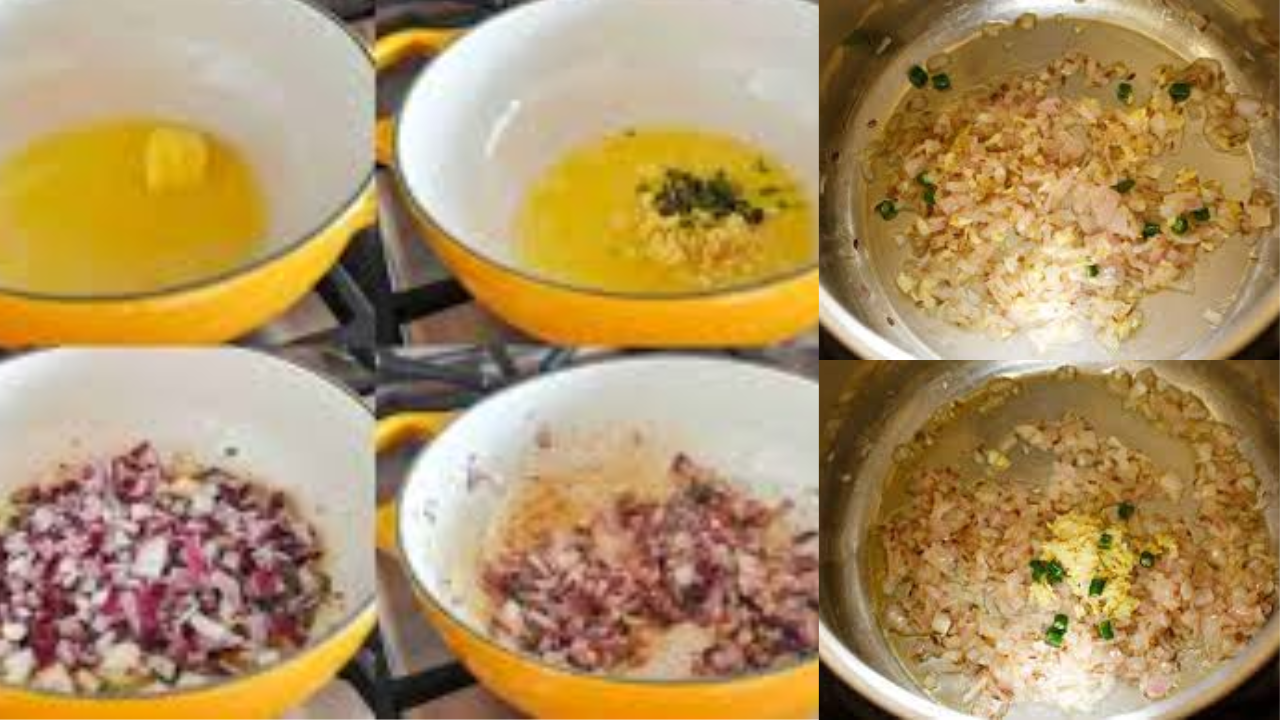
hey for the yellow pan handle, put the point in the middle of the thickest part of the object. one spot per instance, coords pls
(393, 50)
(363, 215)
(393, 432)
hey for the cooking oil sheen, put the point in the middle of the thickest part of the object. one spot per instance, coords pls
(126, 207)
(579, 223)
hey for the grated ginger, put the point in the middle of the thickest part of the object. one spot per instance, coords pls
(1075, 545)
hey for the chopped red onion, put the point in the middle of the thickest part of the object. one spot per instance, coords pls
(708, 556)
(127, 574)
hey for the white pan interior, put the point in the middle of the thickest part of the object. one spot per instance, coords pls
(289, 429)
(513, 96)
(755, 425)
(277, 79)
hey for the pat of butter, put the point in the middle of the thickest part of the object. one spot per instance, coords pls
(177, 159)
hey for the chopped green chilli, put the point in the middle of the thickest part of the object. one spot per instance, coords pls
(1104, 630)
(1200, 214)
(1124, 185)
(1124, 93)
(1053, 637)
(918, 76)
(1179, 225)
(887, 209)
(1146, 559)
(941, 81)
(1125, 509)
(1104, 542)
(1180, 91)
(1150, 230)
(1096, 586)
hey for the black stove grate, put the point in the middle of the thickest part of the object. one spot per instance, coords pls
(369, 674)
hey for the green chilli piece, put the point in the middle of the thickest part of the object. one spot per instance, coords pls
(1150, 230)
(887, 209)
(925, 179)
(918, 76)
(1104, 541)
(1125, 510)
(1055, 572)
(1124, 185)
(1200, 215)
(1146, 559)
(1059, 623)
(1053, 637)
(941, 81)
(1104, 630)
(930, 195)
(1124, 93)
(1179, 225)
(1096, 586)
(1180, 91)
(1038, 569)
(1092, 270)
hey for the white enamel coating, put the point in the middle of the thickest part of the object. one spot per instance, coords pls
(514, 95)
(757, 426)
(277, 78)
(291, 430)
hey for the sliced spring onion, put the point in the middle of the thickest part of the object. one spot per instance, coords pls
(1146, 559)
(918, 76)
(1104, 541)
(925, 179)
(887, 209)
(1150, 230)
(1200, 214)
(1059, 623)
(1096, 586)
(1179, 225)
(1124, 185)
(1037, 570)
(1125, 510)
(1092, 270)
(1124, 93)
(1180, 91)
(941, 81)
(1104, 630)
(930, 194)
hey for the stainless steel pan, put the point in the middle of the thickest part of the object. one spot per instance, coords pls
(867, 47)
(868, 408)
